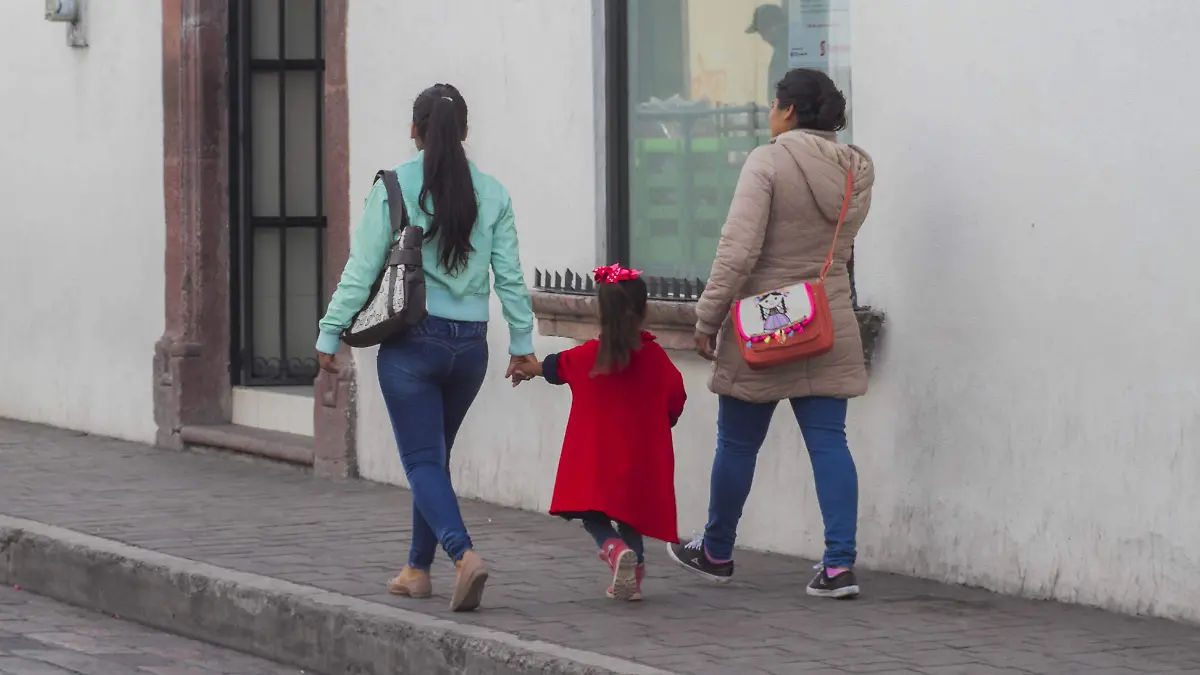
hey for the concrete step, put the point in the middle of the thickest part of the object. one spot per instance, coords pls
(303, 626)
(277, 445)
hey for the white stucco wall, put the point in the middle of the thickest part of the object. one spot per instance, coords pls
(525, 70)
(1032, 421)
(81, 178)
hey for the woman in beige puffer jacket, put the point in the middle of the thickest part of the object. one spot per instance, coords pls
(780, 228)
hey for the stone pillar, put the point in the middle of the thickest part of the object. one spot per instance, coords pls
(191, 360)
(334, 402)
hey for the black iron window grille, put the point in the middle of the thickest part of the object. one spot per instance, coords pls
(277, 210)
(659, 288)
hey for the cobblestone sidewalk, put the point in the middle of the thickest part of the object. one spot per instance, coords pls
(546, 583)
(41, 637)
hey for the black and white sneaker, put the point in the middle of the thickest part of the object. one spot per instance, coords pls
(840, 587)
(691, 557)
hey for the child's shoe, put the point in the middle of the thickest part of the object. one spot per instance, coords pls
(623, 563)
(411, 583)
(639, 574)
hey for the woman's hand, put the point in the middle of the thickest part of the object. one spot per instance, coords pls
(327, 362)
(514, 368)
(706, 346)
(527, 371)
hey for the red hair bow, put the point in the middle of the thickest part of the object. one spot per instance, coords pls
(613, 274)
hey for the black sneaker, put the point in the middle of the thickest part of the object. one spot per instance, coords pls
(691, 557)
(841, 587)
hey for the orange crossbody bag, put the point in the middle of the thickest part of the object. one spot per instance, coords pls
(791, 323)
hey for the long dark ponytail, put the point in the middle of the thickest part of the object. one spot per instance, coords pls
(622, 308)
(440, 118)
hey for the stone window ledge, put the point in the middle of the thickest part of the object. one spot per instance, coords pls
(577, 317)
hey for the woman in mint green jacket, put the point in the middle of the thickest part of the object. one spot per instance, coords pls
(430, 375)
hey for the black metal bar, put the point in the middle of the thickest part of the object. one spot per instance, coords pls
(707, 112)
(320, 158)
(235, 178)
(283, 346)
(288, 222)
(616, 65)
(270, 65)
(247, 205)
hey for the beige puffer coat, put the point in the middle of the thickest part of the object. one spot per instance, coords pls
(780, 226)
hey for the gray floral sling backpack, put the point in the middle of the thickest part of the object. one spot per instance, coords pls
(397, 300)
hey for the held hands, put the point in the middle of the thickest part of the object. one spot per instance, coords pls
(521, 368)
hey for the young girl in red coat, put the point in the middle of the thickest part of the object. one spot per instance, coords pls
(617, 470)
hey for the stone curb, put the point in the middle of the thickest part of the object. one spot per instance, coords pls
(288, 623)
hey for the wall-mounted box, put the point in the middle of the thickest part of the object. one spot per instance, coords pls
(73, 13)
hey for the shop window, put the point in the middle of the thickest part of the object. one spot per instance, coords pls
(689, 87)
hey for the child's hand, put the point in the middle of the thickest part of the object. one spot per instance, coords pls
(525, 371)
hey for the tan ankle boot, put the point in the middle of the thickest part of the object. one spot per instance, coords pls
(468, 588)
(411, 583)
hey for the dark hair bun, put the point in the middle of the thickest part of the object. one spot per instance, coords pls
(818, 104)
(831, 111)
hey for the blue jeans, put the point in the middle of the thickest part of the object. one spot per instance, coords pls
(429, 377)
(741, 430)
(601, 528)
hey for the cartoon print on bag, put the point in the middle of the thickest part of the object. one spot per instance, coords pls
(773, 309)
(773, 316)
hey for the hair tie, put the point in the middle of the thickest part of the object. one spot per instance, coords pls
(613, 274)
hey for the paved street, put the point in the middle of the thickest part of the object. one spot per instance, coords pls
(546, 584)
(42, 637)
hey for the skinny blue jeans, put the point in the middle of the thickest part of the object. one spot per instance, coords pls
(741, 429)
(429, 377)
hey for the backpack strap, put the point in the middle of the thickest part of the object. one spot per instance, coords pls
(395, 197)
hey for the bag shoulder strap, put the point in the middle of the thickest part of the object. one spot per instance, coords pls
(395, 197)
(841, 219)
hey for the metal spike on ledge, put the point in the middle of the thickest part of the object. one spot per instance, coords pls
(537, 278)
(591, 286)
(569, 283)
(699, 288)
(558, 282)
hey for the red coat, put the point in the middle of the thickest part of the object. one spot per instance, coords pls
(618, 457)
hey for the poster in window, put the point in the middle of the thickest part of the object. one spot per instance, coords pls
(819, 38)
